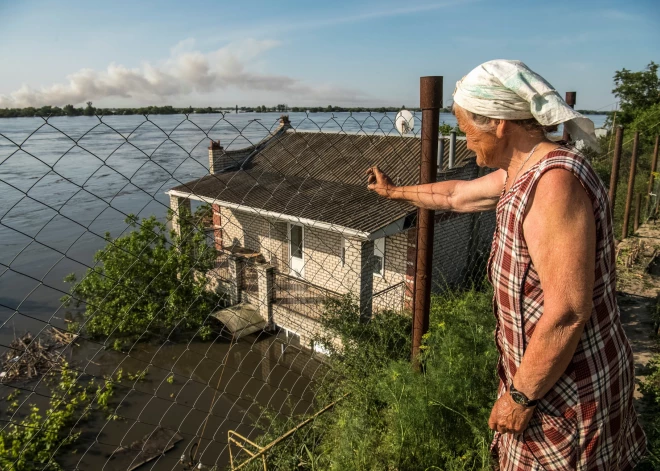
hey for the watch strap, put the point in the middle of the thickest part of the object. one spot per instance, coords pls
(523, 399)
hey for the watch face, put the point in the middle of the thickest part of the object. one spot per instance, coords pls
(518, 398)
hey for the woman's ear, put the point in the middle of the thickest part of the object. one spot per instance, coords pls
(502, 128)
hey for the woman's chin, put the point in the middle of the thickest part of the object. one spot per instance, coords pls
(482, 161)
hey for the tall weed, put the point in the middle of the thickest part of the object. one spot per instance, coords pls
(395, 418)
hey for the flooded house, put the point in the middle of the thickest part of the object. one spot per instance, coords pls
(295, 224)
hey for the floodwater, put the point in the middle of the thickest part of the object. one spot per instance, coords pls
(73, 180)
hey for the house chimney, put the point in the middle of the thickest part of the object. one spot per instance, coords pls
(217, 157)
(284, 121)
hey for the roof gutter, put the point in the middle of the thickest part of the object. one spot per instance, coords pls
(402, 224)
(274, 215)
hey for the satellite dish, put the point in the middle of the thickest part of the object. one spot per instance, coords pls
(404, 122)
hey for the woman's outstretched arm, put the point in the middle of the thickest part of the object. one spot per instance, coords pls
(481, 194)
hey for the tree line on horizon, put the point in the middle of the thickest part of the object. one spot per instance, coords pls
(90, 110)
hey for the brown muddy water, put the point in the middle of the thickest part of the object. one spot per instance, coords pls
(239, 379)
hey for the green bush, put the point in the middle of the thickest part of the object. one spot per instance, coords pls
(147, 282)
(650, 414)
(36, 439)
(393, 417)
(639, 100)
(649, 409)
(446, 129)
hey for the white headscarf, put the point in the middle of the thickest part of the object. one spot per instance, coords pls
(505, 89)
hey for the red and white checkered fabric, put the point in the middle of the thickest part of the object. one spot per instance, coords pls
(587, 420)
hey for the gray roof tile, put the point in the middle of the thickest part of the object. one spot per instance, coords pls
(321, 176)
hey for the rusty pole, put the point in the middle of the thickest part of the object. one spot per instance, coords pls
(430, 91)
(654, 164)
(638, 205)
(631, 186)
(570, 101)
(616, 163)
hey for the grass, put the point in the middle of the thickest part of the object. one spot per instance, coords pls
(393, 417)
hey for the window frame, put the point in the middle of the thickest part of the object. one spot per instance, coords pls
(380, 252)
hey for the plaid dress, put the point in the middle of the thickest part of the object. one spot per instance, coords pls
(587, 420)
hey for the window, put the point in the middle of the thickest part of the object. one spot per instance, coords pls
(296, 254)
(296, 241)
(209, 236)
(379, 256)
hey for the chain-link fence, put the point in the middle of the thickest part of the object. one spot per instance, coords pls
(164, 303)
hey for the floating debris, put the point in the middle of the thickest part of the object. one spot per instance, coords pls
(151, 446)
(28, 357)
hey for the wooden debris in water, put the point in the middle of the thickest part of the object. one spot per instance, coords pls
(28, 357)
(151, 446)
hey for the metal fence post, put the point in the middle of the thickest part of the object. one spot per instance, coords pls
(654, 164)
(631, 186)
(570, 101)
(430, 103)
(366, 280)
(441, 152)
(452, 149)
(616, 163)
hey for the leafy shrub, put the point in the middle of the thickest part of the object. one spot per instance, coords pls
(650, 407)
(650, 415)
(147, 283)
(445, 129)
(34, 441)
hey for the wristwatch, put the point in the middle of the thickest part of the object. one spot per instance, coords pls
(520, 398)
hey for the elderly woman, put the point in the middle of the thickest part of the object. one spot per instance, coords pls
(566, 370)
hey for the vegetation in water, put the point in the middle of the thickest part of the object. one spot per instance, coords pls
(36, 436)
(148, 282)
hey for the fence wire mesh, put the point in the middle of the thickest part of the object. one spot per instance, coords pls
(203, 275)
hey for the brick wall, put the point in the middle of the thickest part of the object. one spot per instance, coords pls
(461, 246)
(178, 205)
(217, 227)
(303, 326)
(321, 252)
(460, 249)
(254, 232)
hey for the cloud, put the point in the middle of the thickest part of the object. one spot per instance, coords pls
(187, 71)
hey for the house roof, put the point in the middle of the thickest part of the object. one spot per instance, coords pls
(321, 177)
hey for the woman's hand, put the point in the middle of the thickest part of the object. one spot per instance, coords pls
(379, 182)
(509, 417)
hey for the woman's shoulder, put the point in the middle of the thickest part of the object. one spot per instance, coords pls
(570, 159)
(564, 155)
(573, 161)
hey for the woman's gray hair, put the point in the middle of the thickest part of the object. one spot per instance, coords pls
(487, 124)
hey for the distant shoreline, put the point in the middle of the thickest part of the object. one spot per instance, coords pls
(71, 111)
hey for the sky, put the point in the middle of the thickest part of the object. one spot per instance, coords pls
(308, 53)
